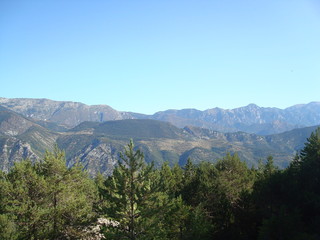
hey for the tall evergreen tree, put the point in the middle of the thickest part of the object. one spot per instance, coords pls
(135, 202)
(309, 184)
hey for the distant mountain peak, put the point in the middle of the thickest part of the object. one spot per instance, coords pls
(253, 105)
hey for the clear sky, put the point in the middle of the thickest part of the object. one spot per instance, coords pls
(147, 56)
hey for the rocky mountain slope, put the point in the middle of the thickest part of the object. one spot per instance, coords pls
(252, 119)
(96, 145)
(64, 113)
(21, 138)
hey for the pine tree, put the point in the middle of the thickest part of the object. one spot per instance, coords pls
(166, 179)
(233, 179)
(24, 200)
(70, 196)
(309, 183)
(46, 200)
(134, 198)
(269, 168)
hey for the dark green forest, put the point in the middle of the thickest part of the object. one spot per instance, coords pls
(222, 200)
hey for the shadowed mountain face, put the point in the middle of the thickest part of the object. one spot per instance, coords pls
(251, 119)
(12, 124)
(21, 138)
(97, 145)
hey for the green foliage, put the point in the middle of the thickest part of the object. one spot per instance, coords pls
(234, 177)
(134, 199)
(215, 192)
(287, 202)
(46, 200)
(71, 195)
(7, 228)
(25, 198)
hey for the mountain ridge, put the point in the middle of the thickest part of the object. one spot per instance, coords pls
(250, 118)
(96, 144)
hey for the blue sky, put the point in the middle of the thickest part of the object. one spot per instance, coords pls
(148, 56)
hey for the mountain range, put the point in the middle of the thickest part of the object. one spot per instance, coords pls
(250, 119)
(94, 135)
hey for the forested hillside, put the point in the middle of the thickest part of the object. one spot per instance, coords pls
(222, 200)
